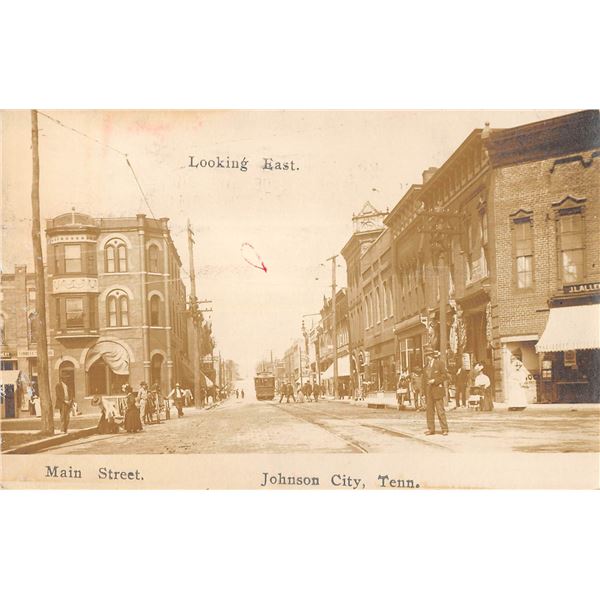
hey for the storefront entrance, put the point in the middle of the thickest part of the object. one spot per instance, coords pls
(103, 380)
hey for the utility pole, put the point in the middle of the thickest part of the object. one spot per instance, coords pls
(40, 284)
(196, 316)
(300, 361)
(333, 260)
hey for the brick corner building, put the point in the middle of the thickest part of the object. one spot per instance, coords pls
(117, 305)
(546, 195)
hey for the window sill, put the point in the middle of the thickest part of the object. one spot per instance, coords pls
(77, 334)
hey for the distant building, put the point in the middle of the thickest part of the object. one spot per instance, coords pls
(326, 347)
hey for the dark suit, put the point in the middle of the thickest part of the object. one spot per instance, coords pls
(63, 403)
(436, 373)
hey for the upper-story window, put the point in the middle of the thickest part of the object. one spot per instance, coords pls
(378, 305)
(72, 258)
(117, 308)
(522, 233)
(2, 331)
(154, 311)
(74, 313)
(571, 245)
(115, 253)
(154, 259)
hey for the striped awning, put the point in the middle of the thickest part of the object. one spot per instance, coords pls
(571, 328)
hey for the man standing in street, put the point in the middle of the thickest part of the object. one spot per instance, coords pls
(64, 400)
(435, 378)
(178, 397)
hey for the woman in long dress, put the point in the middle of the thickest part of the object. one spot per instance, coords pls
(517, 382)
(132, 423)
(482, 381)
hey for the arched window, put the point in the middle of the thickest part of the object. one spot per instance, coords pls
(117, 309)
(154, 311)
(156, 370)
(115, 256)
(154, 259)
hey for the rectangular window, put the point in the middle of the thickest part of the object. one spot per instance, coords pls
(523, 252)
(74, 313)
(72, 258)
(571, 247)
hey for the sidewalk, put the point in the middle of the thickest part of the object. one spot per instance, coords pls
(388, 400)
(23, 436)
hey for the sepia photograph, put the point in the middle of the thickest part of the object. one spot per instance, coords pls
(250, 299)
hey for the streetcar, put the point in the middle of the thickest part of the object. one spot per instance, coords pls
(264, 384)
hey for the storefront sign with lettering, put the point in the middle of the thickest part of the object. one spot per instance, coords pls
(581, 287)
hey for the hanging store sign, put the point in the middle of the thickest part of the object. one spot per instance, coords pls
(581, 287)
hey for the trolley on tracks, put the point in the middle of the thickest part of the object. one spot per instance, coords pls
(264, 385)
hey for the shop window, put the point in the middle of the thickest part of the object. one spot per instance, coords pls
(117, 306)
(522, 234)
(72, 258)
(115, 253)
(154, 259)
(74, 313)
(571, 232)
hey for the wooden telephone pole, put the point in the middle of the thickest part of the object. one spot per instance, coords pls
(333, 260)
(196, 318)
(47, 424)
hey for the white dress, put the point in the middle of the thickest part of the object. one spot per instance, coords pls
(517, 396)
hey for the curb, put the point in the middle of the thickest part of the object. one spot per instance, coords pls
(49, 442)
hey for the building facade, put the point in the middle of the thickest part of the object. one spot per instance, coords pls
(377, 284)
(116, 305)
(340, 336)
(367, 225)
(546, 189)
(18, 339)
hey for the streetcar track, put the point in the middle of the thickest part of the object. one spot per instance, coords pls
(349, 441)
(380, 428)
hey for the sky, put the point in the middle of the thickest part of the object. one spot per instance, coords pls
(294, 220)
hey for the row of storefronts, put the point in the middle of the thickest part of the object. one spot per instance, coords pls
(493, 258)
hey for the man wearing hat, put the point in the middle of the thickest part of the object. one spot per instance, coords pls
(178, 397)
(435, 375)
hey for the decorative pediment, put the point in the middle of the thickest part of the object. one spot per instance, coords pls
(368, 210)
(569, 202)
(521, 213)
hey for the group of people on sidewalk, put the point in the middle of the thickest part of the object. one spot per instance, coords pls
(144, 406)
(306, 392)
(427, 388)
